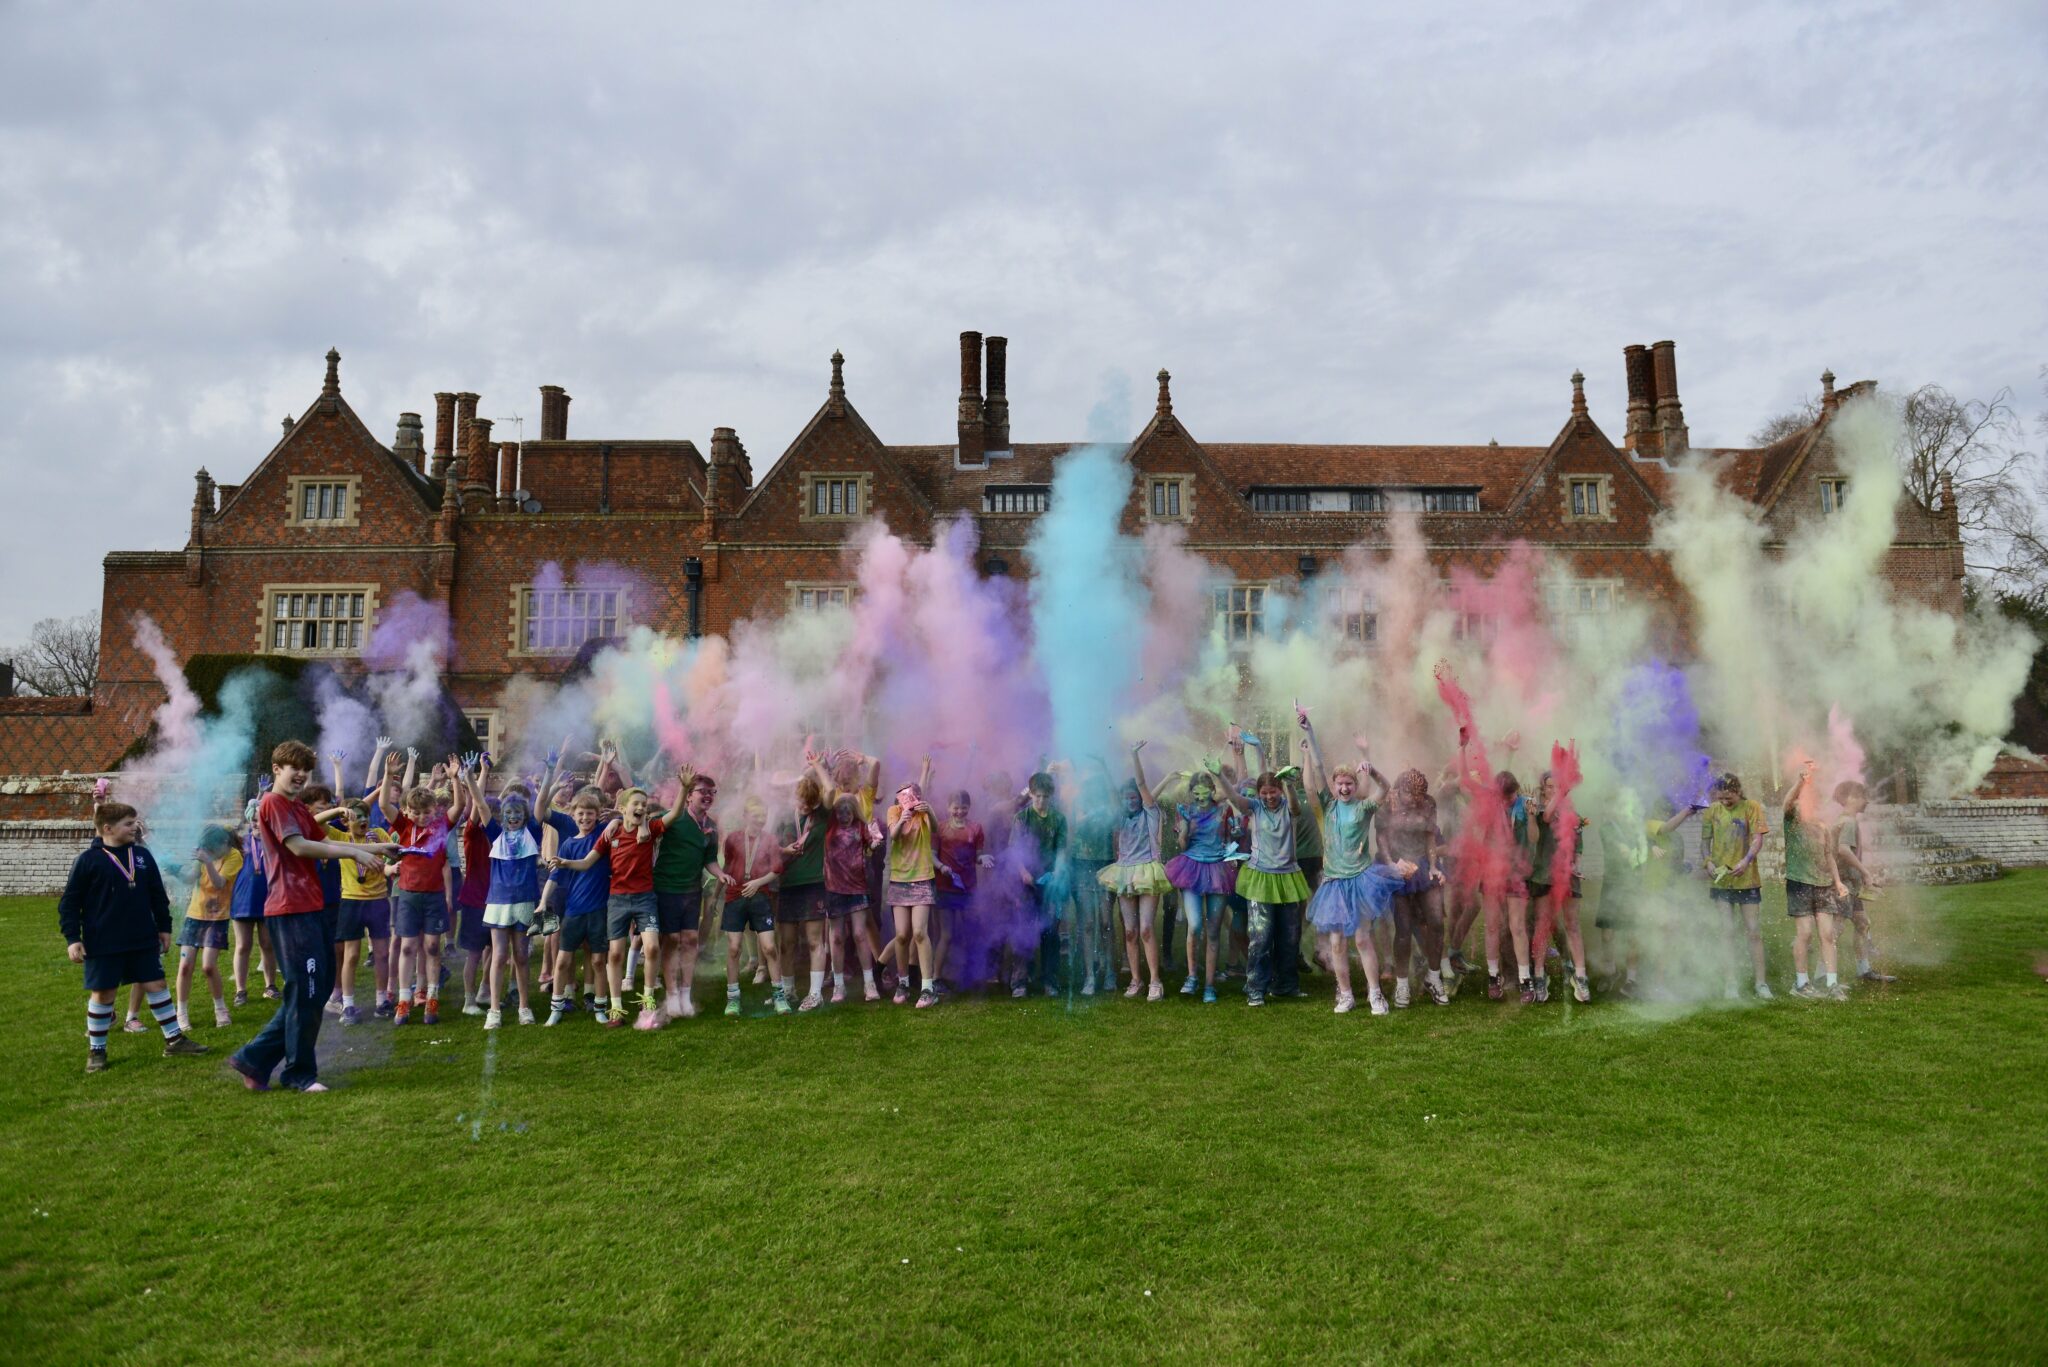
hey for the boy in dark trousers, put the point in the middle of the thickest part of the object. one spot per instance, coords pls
(117, 922)
(302, 933)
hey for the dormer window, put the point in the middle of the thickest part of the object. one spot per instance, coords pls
(1016, 498)
(1833, 492)
(1450, 500)
(1317, 501)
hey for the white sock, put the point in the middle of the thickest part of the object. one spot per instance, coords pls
(220, 1003)
(1831, 980)
(732, 990)
(348, 999)
(1445, 967)
(838, 982)
(1429, 976)
(1863, 965)
(1799, 980)
(867, 977)
(789, 984)
(817, 981)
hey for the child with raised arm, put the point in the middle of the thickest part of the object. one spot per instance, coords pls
(1042, 863)
(1205, 877)
(1732, 831)
(1408, 835)
(630, 847)
(1270, 882)
(116, 920)
(1354, 892)
(1137, 878)
(512, 897)
(365, 909)
(752, 862)
(204, 933)
(912, 873)
(961, 855)
(1811, 887)
(302, 934)
(1851, 862)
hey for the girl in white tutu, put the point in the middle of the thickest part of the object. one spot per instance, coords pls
(1354, 893)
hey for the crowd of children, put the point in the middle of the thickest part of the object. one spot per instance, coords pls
(562, 887)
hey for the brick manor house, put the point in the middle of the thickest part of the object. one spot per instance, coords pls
(302, 553)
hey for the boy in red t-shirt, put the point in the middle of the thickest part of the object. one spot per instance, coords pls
(752, 863)
(630, 844)
(419, 906)
(299, 928)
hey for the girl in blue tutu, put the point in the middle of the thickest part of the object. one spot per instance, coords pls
(1204, 875)
(1355, 892)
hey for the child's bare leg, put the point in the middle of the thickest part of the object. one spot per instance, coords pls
(1338, 959)
(430, 975)
(1148, 908)
(615, 971)
(270, 974)
(209, 964)
(814, 941)
(1368, 958)
(769, 956)
(1574, 938)
(245, 938)
(1127, 907)
(1802, 937)
(1827, 944)
(899, 946)
(1756, 939)
(1518, 935)
(921, 933)
(186, 954)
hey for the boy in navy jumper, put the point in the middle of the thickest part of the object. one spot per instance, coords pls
(299, 927)
(116, 920)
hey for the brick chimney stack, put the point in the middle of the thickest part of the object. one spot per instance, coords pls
(973, 428)
(1670, 415)
(202, 504)
(6, 679)
(554, 413)
(508, 455)
(1827, 391)
(289, 423)
(444, 435)
(407, 446)
(1642, 400)
(465, 414)
(729, 477)
(996, 409)
(476, 476)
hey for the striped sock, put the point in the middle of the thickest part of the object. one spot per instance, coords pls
(166, 1014)
(98, 1021)
(561, 1004)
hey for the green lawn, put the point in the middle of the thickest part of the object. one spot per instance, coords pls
(1012, 1181)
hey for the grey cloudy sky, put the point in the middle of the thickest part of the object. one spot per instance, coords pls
(1331, 224)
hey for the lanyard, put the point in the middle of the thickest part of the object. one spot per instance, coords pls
(127, 870)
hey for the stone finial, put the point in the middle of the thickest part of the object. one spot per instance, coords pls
(1165, 408)
(1827, 391)
(1578, 394)
(836, 396)
(331, 387)
(288, 424)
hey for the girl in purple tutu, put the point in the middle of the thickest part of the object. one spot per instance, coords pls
(1354, 893)
(1204, 874)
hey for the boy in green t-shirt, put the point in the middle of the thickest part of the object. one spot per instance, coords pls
(1811, 886)
(1732, 831)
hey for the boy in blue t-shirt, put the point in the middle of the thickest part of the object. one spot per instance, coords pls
(586, 893)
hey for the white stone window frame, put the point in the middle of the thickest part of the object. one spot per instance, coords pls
(1183, 483)
(267, 619)
(1603, 494)
(492, 738)
(1833, 493)
(863, 482)
(295, 500)
(820, 595)
(622, 619)
(1225, 606)
(1041, 493)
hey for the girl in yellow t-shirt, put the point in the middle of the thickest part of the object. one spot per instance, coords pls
(205, 932)
(911, 871)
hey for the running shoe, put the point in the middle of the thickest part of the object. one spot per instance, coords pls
(927, 998)
(1401, 993)
(1495, 988)
(96, 1062)
(382, 1011)
(1436, 993)
(1543, 989)
(615, 1017)
(1458, 963)
(782, 1006)
(1377, 1004)
(1345, 1003)
(401, 1013)
(732, 1006)
(1209, 995)
(1528, 991)
(1764, 993)
(838, 993)
(650, 1019)
(221, 1019)
(1582, 991)
(902, 994)
(351, 1016)
(1018, 990)
(1157, 992)
(869, 993)
(1134, 989)
(810, 1003)
(1088, 986)
(1838, 993)
(432, 1014)
(1809, 991)
(493, 1018)
(525, 1014)
(1190, 987)
(241, 996)
(133, 1025)
(555, 1014)
(1254, 999)
(183, 1044)
(1871, 975)
(470, 1008)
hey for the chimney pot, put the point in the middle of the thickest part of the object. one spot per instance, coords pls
(407, 447)
(973, 419)
(1827, 391)
(476, 470)
(1642, 398)
(508, 453)
(1670, 414)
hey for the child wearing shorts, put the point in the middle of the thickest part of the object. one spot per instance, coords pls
(752, 860)
(204, 933)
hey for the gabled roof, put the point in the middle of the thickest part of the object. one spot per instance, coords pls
(850, 414)
(428, 492)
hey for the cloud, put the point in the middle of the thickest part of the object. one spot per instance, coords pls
(1329, 225)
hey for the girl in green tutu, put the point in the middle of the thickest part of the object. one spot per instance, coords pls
(1271, 881)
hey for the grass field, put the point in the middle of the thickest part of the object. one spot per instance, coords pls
(1011, 1181)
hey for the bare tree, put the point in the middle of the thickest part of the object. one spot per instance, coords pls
(62, 657)
(1978, 447)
